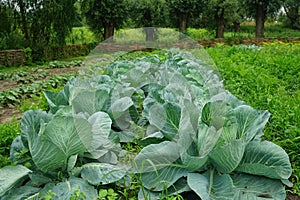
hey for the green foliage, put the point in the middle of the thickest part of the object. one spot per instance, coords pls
(221, 13)
(14, 96)
(183, 11)
(81, 35)
(109, 194)
(28, 55)
(149, 13)
(52, 21)
(35, 102)
(35, 24)
(292, 9)
(267, 78)
(259, 10)
(8, 131)
(269, 6)
(61, 64)
(105, 15)
(10, 36)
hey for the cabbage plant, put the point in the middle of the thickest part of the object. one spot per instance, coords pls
(196, 136)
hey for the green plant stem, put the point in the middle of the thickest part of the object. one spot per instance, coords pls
(211, 179)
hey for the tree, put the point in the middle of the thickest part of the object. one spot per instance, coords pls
(6, 21)
(240, 14)
(103, 16)
(43, 22)
(223, 12)
(10, 36)
(260, 9)
(292, 10)
(149, 14)
(183, 10)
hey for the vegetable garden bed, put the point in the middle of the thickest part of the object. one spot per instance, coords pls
(239, 66)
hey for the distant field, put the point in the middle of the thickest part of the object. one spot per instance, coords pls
(247, 31)
(82, 35)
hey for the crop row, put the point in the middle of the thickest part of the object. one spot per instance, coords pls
(14, 96)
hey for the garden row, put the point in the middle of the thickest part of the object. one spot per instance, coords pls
(169, 116)
(31, 82)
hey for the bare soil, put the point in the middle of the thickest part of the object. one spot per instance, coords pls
(292, 197)
(10, 112)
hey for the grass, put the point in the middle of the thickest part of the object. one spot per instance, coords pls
(268, 79)
(8, 132)
(247, 31)
(81, 35)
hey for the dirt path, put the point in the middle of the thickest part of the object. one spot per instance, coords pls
(11, 112)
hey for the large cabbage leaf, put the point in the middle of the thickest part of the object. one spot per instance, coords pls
(265, 159)
(175, 189)
(250, 122)
(31, 122)
(226, 157)
(102, 173)
(89, 100)
(10, 176)
(166, 118)
(158, 165)
(211, 186)
(101, 126)
(257, 187)
(68, 190)
(52, 144)
(57, 100)
(195, 145)
(21, 193)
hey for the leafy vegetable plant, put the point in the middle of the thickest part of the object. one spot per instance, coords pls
(60, 64)
(196, 137)
(13, 96)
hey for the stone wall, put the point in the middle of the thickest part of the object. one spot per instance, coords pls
(12, 57)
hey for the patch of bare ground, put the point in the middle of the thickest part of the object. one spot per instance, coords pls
(292, 197)
(6, 84)
(8, 113)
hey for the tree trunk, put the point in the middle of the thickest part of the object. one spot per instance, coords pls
(220, 24)
(183, 24)
(237, 26)
(260, 21)
(151, 34)
(183, 27)
(24, 26)
(109, 30)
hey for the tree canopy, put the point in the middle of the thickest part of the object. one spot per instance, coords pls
(181, 11)
(40, 23)
(103, 16)
(292, 9)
